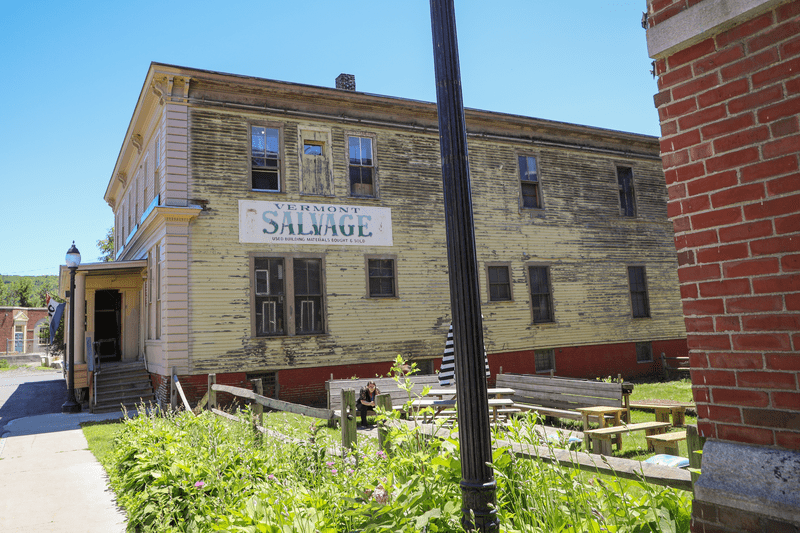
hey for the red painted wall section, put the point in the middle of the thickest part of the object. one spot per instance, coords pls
(729, 108)
(307, 385)
(590, 362)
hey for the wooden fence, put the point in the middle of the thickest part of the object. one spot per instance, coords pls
(613, 466)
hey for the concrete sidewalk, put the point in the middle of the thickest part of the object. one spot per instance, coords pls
(51, 482)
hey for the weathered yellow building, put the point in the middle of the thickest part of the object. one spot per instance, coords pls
(295, 232)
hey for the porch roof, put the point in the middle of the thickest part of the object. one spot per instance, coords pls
(97, 269)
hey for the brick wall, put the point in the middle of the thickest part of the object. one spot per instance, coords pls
(35, 314)
(729, 108)
(729, 105)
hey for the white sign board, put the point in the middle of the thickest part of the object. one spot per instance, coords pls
(287, 223)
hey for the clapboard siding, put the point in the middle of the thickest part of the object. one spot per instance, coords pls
(579, 233)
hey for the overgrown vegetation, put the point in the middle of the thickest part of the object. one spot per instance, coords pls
(181, 473)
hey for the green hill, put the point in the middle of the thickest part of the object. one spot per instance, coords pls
(26, 291)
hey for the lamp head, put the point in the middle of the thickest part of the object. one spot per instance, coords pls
(73, 258)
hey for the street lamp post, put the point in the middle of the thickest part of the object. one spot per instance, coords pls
(478, 486)
(73, 260)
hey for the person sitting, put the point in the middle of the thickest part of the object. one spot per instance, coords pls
(366, 400)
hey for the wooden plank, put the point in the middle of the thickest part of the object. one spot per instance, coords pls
(615, 430)
(614, 466)
(201, 404)
(278, 405)
(694, 444)
(566, 384)
(182, 395)
(675, 436)
(664, 476)
(583, 390)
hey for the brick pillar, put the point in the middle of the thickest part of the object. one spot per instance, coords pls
(729, 105)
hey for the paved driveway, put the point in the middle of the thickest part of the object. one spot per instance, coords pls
(29, 392)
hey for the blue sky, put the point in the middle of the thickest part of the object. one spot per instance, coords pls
(73, 72)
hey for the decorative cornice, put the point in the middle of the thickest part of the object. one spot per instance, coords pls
(136, 140)
(160, 87)
(122, 177)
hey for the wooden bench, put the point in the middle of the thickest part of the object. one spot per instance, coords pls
(333, 388)
(666, 443)
(555, 397)
(498, 406)
(601, 438)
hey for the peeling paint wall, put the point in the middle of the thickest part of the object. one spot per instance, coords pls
(579, 233)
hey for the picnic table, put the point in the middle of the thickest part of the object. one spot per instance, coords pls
(496, 392)
(664, 410)
(437, 401)
(601, 411)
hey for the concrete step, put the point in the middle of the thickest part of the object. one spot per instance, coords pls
(121, 384)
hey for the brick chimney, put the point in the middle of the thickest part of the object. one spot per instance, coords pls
(346, 82)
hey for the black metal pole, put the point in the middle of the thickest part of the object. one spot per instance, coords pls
(477, 479)
(71, 406)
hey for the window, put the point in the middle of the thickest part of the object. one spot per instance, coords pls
(283, 286)
(541, 298)
(626, 198)
(136, 199)
(640, 306)
(361, 166)
(381, 277)
(265, 162)
(544, 360)
(644, 352)
(43, 333)
(270, 296)
(530, 193)
(308, 296)
(312, 149)
(158, 291)
(499, 283)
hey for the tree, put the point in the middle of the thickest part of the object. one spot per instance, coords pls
(107, 246)
(24, 292)
(5, 294)
(44, 287)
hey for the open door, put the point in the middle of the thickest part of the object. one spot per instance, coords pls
(108, 320)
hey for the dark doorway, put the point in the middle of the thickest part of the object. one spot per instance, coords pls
(107, 322)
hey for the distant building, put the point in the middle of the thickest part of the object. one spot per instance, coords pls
(294, 233)
(24, 330)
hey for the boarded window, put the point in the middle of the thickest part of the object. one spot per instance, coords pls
(361, 166)
(541, 298)
(381, 276)
(499, 283)
(626, 198)
(530, 192)
(544, 360)
(265, 160)
(644, 352)
(315, 164)
(640, 305)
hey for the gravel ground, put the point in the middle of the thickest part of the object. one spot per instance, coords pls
(27, 370)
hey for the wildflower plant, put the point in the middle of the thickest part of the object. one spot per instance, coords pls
(181, 473)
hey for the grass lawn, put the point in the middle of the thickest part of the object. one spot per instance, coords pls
(634, 445)
(100, 436)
